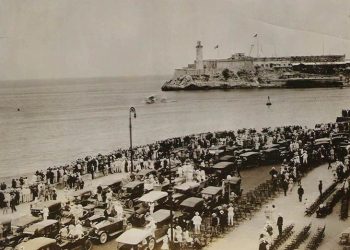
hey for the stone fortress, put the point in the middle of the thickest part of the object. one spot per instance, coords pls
(241, 71)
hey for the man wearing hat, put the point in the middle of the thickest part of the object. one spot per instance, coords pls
(197, 221)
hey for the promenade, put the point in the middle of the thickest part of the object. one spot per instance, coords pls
(247, 233)
(24, 208)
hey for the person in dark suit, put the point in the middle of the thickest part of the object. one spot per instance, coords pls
(280, 224)
(320, 186)
(300, 193)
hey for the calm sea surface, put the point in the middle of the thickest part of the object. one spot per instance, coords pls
(60, 121)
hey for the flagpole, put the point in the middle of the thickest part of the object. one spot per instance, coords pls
(257, 46)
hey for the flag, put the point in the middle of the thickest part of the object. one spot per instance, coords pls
(216, 47)
(256, 35)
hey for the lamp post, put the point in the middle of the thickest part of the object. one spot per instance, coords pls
(171, 200)
(132, 110)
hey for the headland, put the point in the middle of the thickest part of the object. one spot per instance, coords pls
(241, 71)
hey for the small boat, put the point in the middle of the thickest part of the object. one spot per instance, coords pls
(268, 101)
(151, 99)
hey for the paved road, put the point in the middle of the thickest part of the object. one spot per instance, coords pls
(247, 234)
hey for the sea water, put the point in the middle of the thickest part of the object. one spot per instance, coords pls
(63, 120)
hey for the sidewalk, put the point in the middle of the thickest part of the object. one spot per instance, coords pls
(246, 235)
(24, 208)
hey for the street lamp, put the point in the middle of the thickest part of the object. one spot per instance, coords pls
(132, 110)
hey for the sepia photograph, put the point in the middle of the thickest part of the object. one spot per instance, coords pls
(174, 124)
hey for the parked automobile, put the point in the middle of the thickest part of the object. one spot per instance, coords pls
(162, 219)
(82, 197)
(250, 159)
(136, 238)
(132, 191)
(105, 229)
(43, 243)
(94, 219)
(213, 193)
(159, 199)
(114, 185)
(227, 158)
(40, 243)
(17, 226)
(83, 243)
(191, 205)
(326, 142)
(188, 188)
(55, 209)
(270, 155)
(45, 228)
(220, 171)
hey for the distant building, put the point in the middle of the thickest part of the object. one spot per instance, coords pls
(239, 61)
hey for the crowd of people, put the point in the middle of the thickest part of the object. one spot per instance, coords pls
(192, 155)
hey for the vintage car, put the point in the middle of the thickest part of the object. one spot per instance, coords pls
(45, 228)
(191, 205)
(136, 238)
(270, 155)
(217, 151)
(132, 191)
(232, 149)
(250, 159)
(105, 229)
(219, 171)
(322, 142)
(94, 219)
(232, 185)
(43, 243)
(162, 219)
(82, 197)
(17, 227)
(40, 243)
(75, 243)
(339, 138)
(114, 185)
(159, 199)
(55, 209)
(188, 188)
(213, 193)
(227, 158)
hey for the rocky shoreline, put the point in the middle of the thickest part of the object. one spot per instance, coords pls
(188, 82)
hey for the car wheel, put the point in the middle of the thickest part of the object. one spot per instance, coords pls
(88, 245)
(103, 238)
(130, 204)
(151, 244)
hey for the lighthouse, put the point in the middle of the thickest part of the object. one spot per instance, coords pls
(199, 56)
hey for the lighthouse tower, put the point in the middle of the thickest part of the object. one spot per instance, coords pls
(199, 56)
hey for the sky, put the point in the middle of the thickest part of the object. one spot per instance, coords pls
(41, 39)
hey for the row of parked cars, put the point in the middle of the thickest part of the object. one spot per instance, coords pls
(187, 198)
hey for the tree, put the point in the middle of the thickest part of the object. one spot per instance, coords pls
(226, 73)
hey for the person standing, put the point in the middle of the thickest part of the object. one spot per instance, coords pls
(262, 243)
(300, 193)
(280, 224)
(45, 213)
(13, 203)
(230, 214)
(197, 221)
(320, 186)
(285, 186)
